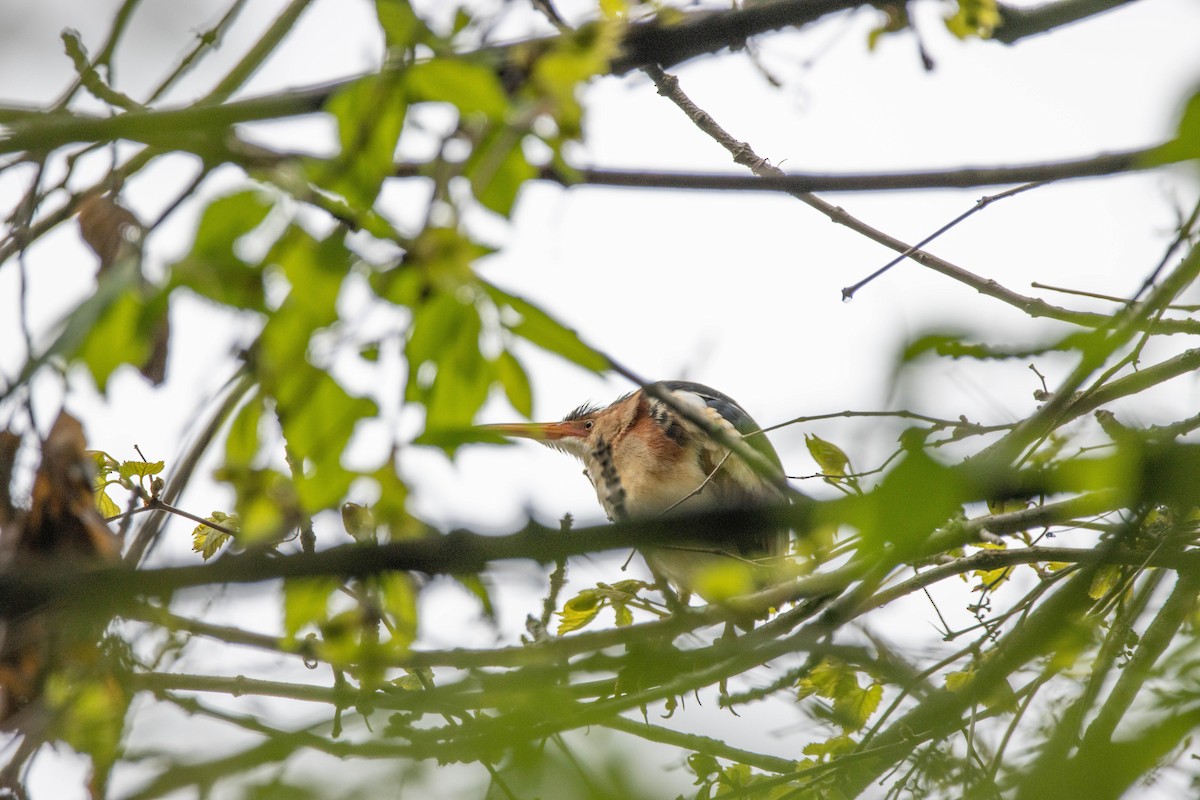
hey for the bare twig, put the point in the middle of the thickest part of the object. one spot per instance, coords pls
(982, 203)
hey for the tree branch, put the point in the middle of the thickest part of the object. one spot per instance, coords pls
(1019, 23)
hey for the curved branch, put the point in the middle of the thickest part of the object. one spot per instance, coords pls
(1019, 23)
(790, 183)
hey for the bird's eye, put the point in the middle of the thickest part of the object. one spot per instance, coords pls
(589, 424)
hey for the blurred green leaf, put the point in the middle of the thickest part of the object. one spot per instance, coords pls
(853, 704)
(530, 322)
(266, 504)
(315, 268)
(241, 444)
(838, 745)
(306, 602)
(915, 498)
(497, 169)
(974, 18)
(398, 595)
(513, 378)
(559, 74)
(952, 345)
(433, 324)
(823, 680)
(452, 438)
(1186, 144)
(439, 261)
(447, 372)
(471, 88)
(479, 590)
(119, 336)
(370, 115)
(89, 714)
(391, 509)
(402, 28)
(318, 418)
(212, 267)
(1106, 578)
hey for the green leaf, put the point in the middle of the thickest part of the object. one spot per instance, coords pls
(103, 463)
(530, 322)
(241, 444)
(439, 261)
(445, 336)
(824, 679)
(478, 589)
(834, 680)
(306, 602)
(141, 469)
(120, 335)
(88, 713)
(391, 509)
(703, 765)
(579, 611)
(212, 268)
(974, 18)
(318, 418)
(513, 378)
(916, 497)
(315, 269)
(450, 439)
(108, 509)
(207, 540)
(838, 745)
(957, 681)
(402, 28)
(370, 114)
(723, 579)
(1186, 144)
(498, 169)
(1106, 578)
(559, 74)
(434, 323)
(854, 705)
(829, 457)
(398, 596)
(266, 503)
(471, 88)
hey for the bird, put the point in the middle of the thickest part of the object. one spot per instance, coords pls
(644, 459)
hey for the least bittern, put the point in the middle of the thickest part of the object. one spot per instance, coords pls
(645, 459)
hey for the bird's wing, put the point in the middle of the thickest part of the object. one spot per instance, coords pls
(737, 482)
(731, 412)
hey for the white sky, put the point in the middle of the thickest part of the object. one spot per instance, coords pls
(738, 291)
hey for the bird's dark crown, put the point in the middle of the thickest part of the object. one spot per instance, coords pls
(585, 410)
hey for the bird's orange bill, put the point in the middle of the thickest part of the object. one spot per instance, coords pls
(539, 431)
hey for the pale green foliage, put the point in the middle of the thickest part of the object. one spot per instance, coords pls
(207, 540)
(852, 703)
(583, 609)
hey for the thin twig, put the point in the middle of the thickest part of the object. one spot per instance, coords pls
(849, 292)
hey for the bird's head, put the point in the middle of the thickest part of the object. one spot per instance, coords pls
(581, 431)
